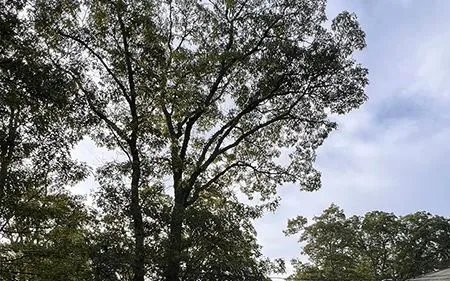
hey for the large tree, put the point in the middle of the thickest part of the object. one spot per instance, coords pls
(377, 234)
(219, 239)
(202, 97)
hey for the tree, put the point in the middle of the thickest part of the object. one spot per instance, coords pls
(113, 241)
(204, 96)
(46, 240)
(219, 238)
(220, 242)
(377, 246)
(422, 244)
(41, 225)
(378, 233)
(330, 246)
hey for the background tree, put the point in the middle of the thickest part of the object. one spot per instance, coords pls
(422, 244)
(377, 246)
(377, 236)
(202, 97)
(41, 224)
(330, 245)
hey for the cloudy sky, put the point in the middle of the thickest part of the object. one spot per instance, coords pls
(392, 153)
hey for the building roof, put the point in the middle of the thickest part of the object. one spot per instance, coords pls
(441, 275)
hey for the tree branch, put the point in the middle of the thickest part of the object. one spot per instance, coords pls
(102, 61)
(225, 130)
(113, 126)
(225, 68)
(7, 150)
(130, 75)
(218, 150)
(199, 189)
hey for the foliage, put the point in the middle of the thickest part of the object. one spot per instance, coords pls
(41, 225)
(377, 246)
(200, 98)
(219, 239)
(46, 240)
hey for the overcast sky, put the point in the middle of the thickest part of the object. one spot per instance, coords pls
(392, 153)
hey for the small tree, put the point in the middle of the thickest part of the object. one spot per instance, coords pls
(207, 94)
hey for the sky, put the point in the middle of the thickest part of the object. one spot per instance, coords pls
(392, 153)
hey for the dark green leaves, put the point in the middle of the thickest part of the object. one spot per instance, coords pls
(376, 246)
(200, 99)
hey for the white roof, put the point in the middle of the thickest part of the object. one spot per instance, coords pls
(441, 275)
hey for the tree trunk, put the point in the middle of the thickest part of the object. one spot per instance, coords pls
(138, 225)
(6, 152)
(175, 247)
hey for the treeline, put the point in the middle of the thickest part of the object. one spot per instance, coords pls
(374, 247)
(197, 98)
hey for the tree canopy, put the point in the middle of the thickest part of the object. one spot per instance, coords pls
(201, 99)
(41, 223)
(377, 246)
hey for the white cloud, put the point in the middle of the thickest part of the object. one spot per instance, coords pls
(88, 152)
(392, 154)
